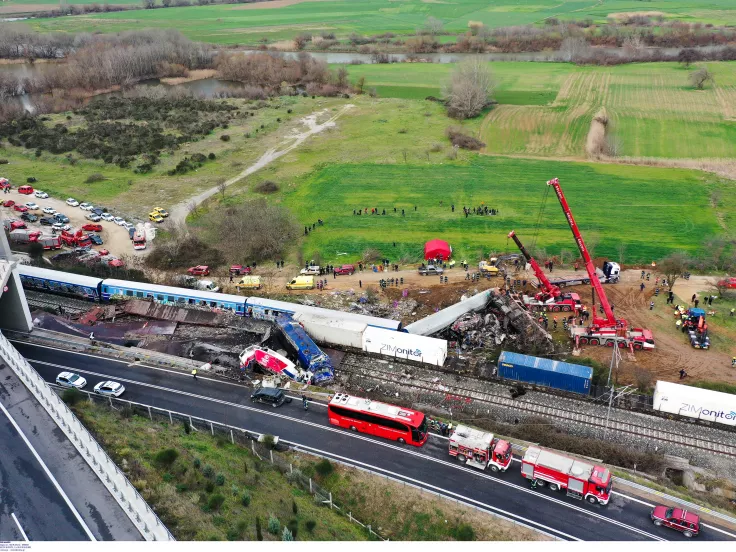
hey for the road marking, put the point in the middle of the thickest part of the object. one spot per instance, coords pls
(22, 532)
(372, 441)
(49, 474)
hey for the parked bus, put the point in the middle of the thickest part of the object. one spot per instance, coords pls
(382, 420)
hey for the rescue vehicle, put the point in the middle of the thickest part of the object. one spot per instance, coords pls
(479, 449)
(581, 479)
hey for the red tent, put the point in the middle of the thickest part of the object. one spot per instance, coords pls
(437, 248)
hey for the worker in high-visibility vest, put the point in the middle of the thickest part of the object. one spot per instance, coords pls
(194, 374)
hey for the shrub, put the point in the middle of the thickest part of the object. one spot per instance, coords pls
(209, 486)
(166, 457)
(71, 396)
(31, 179)
(310, 524)
(463, 140)
(294, 507)
(234, 489)
(197, 462)
(208, 471)
(267, 187)
(187, 428)
(274, 525)
(463, 532)
(324, 467)
(215, 502)
(225, 137)
(293, 526)
(95, 177)
(268, 441)
(220, 480)
(259, 534)
(286, 535)
(211, 156)
(182, 488)
(245, 499)
(3, 161)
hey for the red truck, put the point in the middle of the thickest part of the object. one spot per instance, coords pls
(240, 270)
(580, 479)
(92, 227)
(479, 449)
(75, 240)
(50, 242)
(345, 269)
(11, 225)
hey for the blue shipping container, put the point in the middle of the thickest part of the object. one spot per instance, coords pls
(543, 371)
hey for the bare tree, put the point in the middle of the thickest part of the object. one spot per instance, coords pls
(433, 26)
(149, 4)
(613, 145)
(469, 89)
(574, 48)
(621, 248)
(687, 56)
(700, 77)
(193, 208)
(222, 187)
(301, 41)
(673, 266)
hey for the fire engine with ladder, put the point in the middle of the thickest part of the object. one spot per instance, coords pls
(582, 480)
(607, 331)
(479, 449)
(550, 298)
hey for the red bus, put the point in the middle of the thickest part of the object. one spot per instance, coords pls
(382, 420)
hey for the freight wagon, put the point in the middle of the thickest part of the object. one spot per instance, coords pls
(545, 372)
(694, 402)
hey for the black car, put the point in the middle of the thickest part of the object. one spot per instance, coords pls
(98, 211)
(97, 240)
(47, 221)
(270, 395)
(61, 218)
(29, 217)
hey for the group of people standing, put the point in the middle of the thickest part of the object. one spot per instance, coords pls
(482, 210)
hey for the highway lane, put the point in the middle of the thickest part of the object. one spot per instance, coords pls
(508, 494)
(31, 507)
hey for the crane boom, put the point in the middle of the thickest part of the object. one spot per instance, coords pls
(596, 283)
(549, 288)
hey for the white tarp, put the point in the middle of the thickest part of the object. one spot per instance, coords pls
(695, 403)
(427, 350)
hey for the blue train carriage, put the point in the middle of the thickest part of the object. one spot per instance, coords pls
(311, 357)
(168, 295)
(545, 372)
(61, 283)
(270, 309)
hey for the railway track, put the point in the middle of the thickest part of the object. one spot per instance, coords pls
(566, 415)
(44, 301)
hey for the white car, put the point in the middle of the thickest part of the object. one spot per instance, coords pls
(93, 217)
(86, 206)
(40, 194)
(59, 226)
(119, 221)
(109, 388)
(107, 216)
(68, 379)
(128, 225)
(32, 206)
(49, 210)
(72, 202)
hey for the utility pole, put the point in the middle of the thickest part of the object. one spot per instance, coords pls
(615, 358)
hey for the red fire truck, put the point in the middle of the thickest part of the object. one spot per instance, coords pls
(581, 479)
(479, 449)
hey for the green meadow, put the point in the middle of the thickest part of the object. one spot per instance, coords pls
(248, 23)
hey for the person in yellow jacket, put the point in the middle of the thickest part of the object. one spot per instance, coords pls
(194, 374)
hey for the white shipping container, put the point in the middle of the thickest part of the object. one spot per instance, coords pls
(332, 331)
(695, 403)
(419, 348)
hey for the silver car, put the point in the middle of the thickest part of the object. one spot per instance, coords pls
(69, 379)
(109, 388)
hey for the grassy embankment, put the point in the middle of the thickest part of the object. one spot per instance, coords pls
(207, 471)
(245, 24)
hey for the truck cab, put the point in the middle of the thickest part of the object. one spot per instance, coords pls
(479, 449)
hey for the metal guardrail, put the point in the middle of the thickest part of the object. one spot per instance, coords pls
(132, 503)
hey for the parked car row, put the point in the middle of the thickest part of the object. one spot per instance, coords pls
(71, 380)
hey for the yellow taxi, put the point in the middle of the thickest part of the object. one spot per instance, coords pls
(161, 211)
(155, 217)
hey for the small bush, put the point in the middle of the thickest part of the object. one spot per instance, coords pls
(286, 535)
(310, 524)
(197, 462)
(209, 486)
(126, 412)
(274, 525)
(188, 430)
(166, 457)
(71, 396)
(245, 499)
(31, 179)
(95, 177)
(4, 161)
(268, 441)
(267, 187)
(208, 471)
(294, 507)
(182, 488)
(215, 502)
(234, 489)
(463, 532)
(259, 534)
(463, 140)
(211, 156)
(324, 467)
(168, 478)
(293, 526)
(220, 480)
(288, 110)
(225, 137)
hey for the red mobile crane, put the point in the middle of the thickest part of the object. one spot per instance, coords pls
(551, 297)
(606, 331)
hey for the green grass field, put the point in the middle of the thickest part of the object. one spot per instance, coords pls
(642, 207)
(230, 24)
(546, 108)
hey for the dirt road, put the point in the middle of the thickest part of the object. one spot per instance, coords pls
(116, 238)
(179, 212)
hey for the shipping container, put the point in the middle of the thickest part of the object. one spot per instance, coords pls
(332, 330)
(426, 350)
(543, 371)
(694, 402)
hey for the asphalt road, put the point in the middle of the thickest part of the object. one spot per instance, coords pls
(31, 507)
(624, 518)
